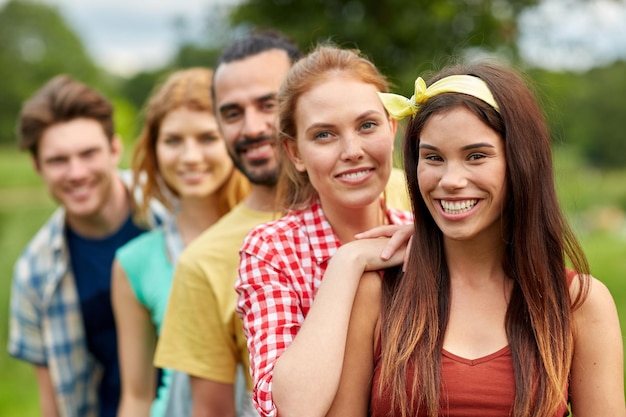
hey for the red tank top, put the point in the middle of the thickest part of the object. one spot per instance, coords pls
(482, 387)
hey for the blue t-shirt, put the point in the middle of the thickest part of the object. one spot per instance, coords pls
(91, 261)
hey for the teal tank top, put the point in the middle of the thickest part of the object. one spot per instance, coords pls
(149, 270)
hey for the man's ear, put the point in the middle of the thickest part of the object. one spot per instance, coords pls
(36, 165)
(291, 148)
(117, 149)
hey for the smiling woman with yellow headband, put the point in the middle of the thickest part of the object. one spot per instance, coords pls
(487, 318)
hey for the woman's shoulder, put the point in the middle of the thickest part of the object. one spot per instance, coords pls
(592, 292)
(594, 306)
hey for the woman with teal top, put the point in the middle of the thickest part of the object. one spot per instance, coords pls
(181, 160)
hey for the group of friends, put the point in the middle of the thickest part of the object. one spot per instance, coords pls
(264, 257)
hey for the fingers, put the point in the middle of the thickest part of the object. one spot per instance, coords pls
(376, 262)
(397, 241)
(380, 231)
(364, 255)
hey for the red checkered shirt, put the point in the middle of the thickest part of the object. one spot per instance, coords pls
(282, 266)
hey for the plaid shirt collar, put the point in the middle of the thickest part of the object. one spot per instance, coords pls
(59, 252)
(316, 226)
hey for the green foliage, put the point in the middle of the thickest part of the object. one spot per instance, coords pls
(605, 144)
(594, 199)
(403, 38)
(35, 44)
(191, 55)
(125, 118)
(137, 88)
(586, 111)
(410, 38)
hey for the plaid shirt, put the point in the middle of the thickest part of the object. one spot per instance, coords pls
(46, 326)
(282, 266)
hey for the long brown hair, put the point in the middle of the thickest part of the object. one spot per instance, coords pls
(326, 61)
(537, 242)
(190, 88)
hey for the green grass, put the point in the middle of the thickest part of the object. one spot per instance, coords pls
(607, 254)
(582, 188)
(589, 197)
(24, 206)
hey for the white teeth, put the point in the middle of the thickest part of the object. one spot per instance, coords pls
(79, 190)
(191, 175)
(354, 175)
(258, 149)
(457, 207)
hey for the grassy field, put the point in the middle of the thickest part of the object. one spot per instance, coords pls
(24, 206)
(593, 200)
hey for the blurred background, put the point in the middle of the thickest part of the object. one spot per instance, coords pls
(573, 50)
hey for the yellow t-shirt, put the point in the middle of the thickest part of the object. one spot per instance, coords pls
(396, 192)
(201, 335)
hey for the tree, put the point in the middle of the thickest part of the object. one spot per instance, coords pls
(139, 86)
(596, 120)
(406, 39)
(403, 38)
(585, 111)
(35, 44)
(190, 53)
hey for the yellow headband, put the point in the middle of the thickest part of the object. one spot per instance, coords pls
(400, 107)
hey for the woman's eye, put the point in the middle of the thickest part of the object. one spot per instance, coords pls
(321, 135)
(171, 140)
(432, 157)
(208, 138)
(476, 156)
(368, 125)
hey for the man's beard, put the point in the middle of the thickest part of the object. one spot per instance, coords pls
(267, 177)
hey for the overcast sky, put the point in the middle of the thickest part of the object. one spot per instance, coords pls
(127, 36)
(570, 34)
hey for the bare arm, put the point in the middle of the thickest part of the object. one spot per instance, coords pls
(212, 399)
(136, 339)
(306, 376)
(597, 376)
(46, 392)
(353, 395)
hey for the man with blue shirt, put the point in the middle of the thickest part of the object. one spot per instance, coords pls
(61, 319)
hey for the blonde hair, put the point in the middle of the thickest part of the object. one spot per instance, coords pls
(326, 61)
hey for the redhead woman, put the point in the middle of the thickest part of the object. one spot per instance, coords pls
(296, 284)
(181, 160)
